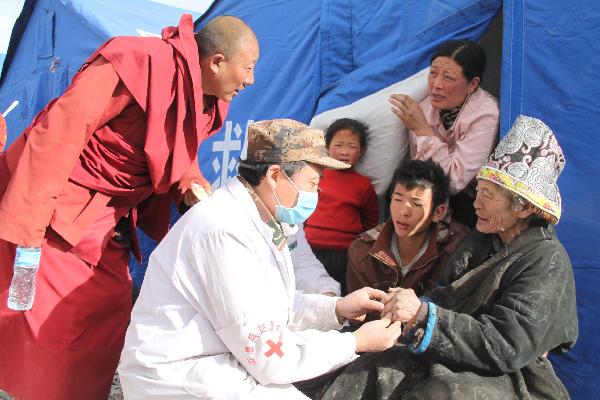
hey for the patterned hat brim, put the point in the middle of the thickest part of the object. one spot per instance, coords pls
(522, 189)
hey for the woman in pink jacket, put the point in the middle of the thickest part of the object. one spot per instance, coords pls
(456, 125)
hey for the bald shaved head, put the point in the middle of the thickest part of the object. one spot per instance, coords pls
(228, 52)
(223, 35)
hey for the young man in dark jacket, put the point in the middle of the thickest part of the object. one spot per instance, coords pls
(411, 249)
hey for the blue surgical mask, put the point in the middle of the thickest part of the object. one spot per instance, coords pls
(305, 206)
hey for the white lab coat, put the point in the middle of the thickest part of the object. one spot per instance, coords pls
(218, 314)
(311, 275)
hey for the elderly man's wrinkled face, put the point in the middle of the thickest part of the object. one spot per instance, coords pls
(495, 214)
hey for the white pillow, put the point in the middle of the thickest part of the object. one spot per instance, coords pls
(387, 143)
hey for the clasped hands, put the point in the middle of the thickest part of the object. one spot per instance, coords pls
(396, 307)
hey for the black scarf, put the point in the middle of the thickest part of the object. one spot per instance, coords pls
(449, 116)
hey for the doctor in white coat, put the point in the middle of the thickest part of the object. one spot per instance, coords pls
(218, 315)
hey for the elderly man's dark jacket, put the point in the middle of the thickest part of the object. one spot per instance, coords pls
(504, 307)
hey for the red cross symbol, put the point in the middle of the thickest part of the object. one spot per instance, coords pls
(274, 348)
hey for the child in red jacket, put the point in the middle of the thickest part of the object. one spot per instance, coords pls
(347, 201)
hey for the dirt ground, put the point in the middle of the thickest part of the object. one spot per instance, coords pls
(115, 391)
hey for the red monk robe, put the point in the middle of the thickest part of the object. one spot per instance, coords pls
(115, 147)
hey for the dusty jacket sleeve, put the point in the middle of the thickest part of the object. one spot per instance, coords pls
(311, 276)
(528, 318)
(51, 150)
(250, 315)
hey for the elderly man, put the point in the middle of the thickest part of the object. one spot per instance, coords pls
(108, 154)
(218, 315)
(508, 299)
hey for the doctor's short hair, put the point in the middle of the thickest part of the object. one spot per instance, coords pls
(254, 172)
(423, 174)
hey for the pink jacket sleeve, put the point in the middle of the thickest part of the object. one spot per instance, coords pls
(463, 149)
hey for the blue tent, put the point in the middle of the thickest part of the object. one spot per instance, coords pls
(551, 70)
(320, 55)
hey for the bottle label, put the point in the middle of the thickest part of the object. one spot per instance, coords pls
(28, 257)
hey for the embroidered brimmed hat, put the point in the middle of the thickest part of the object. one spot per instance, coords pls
(286, 140)
(528, 161)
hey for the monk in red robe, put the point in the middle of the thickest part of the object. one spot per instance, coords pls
(108, 155)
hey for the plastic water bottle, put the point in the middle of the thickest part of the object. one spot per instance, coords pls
(22, 286)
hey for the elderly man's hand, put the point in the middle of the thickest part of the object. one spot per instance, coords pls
(409, 111)
(401, 305)
(357, 304)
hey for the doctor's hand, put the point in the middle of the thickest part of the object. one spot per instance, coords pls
(377, 335)
(357, 304)
(401, 305)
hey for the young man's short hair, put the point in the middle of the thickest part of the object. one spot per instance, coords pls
(424, 174)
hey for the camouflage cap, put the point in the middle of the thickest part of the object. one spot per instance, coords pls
(286, 140)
